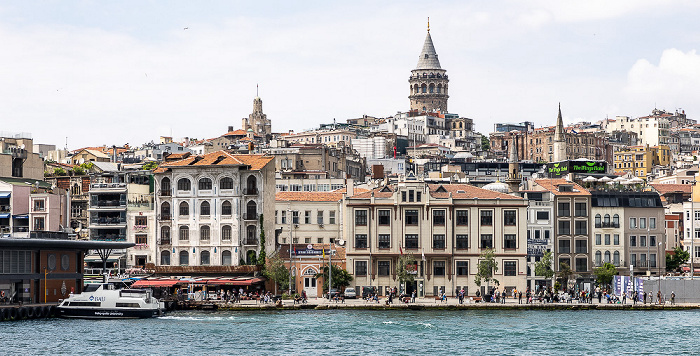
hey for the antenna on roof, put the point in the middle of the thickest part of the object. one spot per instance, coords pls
(428, 23)
(256, 89)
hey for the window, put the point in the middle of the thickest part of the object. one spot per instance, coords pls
(184, 233)
(184, 258)
(510, 268)
(165, 235)
(597, 239)
(564, 209)
(542, 215)
(509, 241)
(652, 260)
(226, 258)
(411, 241)
(509, 217)
(633, 223)
(642, 241)
(563, 261)
(184, 209)
(227, 211)
(383, 268)
(204, 258)
(204, 233)
(361, 217)
(597, 221)
(606, 221)
(564, 228)
(652, 240)
(403, 196)
(319, 217)
(226, 183)
(141, 239)
(438, 268)
(438, 217)
(205, 184)
(633, 240)
(331, 217)
(462, 268)
(410, 196)
(581, 227)
(438, 241)
(462, 217)
(581, 246)
(652, 223)
(418, 196)
(141, 221)
(165, 258)
(607, 239)
(411, 217)
(486, 217)
(616, 220)
(384, 241)
(360, 268)
(581, 264)
(204, 208)
(39, 205)
(361, 241)
(295, 217)
(183, 184)
(564, 246)
(598, 259)
(384, 217)
(616, 258)
(642, 223)
(462, 241)
(633, 259)
(307, 217)
(486, 241)
(580, 209)
(226, 232)
(616, 239)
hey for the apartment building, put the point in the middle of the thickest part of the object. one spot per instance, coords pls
(540, 228)
(640, 160)
(17, 157)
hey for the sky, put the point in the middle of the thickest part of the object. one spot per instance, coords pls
(94, 73)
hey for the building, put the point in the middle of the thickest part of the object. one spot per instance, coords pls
(329, 137)
(17, 158)
(525, 126)
(77, 187)
(445, 228)
(309, 185)
(28, 206)
(257, 121)
(88, 155)
(210, 209)
(540, 211)
(318, 161)
(641, 160)
(428, 81)
(652, 130)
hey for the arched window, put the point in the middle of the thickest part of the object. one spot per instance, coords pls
(251, 211)
(165, 258)
(204, 232)
(606, 220)
(75, 190)
(226, 232)
(226, 183)
(431, 88)
(251, 185)
(205, 184)
(184, 184)
(616, 258)
(597, 220)
(184, 208)
(252, 257)
(616, 220)
(226, 208)
(598, 257)
(204, 258)
(165, 186)
(226, 258)
(423, 88)
(165, 211)
(607, 256)
(165, 235)
(184, 233)
(250, 238)
(184, 258)
(439, 88)
(204, 208)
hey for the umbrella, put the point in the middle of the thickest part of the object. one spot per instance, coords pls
(619, 179)
(590, 179)
(636, 180)
(626, 182)
(605, 179)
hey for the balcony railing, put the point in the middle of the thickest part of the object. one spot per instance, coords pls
(20, 229)
(108, 221)
(4, 208)
(608, 225)
(165, 241)
(164, 193)
(165, 217)
(109, 237)
(110, 203)
(250, 191)
(251, 217)
(250, 241)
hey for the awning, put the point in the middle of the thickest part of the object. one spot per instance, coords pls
(155, 283)
(4, 216)
(4, 195)
(235, 282)
(25, 216)
(96, 258)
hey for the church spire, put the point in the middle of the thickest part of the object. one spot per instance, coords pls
(559, 139)
(428, 58)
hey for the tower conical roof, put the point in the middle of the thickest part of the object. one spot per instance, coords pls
(559, 128)
(428, 57)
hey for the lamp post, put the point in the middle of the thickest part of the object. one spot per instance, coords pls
(289, 215)
(692, 230)
(658, 253)
(647, 240)
(330, 269)
(46, 272)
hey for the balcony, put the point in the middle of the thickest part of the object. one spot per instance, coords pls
(608, 225)
(109, 204)
(165, 241)
(164, 217)
(108, 221)
(250, 242)
(4, 208)
(250, 217)
(250, 191)
(109, 237)
(164, 193)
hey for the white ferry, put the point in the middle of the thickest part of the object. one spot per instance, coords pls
(111, 301)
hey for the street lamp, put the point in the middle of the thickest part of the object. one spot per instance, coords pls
(647, 240)
(692, 230)
(289, 215)
(658, 253)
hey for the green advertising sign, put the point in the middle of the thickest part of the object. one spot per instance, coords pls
(559, 169)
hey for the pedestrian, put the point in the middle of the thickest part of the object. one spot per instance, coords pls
(624, 298)
(520, 297)
(673, 298)
(503, 296)
(658, 297)
(413, 297)
(645, 297)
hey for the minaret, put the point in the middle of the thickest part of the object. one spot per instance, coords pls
(559, 140)
(428, 82)
(514, 177)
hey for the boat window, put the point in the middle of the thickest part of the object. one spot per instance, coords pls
(128, 305)
(84, 304)
(91, 287)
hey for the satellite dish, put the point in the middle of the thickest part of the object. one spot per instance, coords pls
(341, 242)
(77, 229)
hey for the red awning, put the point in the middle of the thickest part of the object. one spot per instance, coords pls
(155, 283)
(235, 282)
(685, 269)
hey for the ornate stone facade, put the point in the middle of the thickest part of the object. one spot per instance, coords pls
(257, 121)
(428, 82)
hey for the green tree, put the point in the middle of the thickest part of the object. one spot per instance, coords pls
(565, 274)
(405, 268)
(263, 254)
(485, 143)
(150, 166)
(88, 166)
(604, 275)
(58, 171)
(341, 277)
(543, 267)
(485, 269)
(78, 170)
(276, 271)
(676, 259)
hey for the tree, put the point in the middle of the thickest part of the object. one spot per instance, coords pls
(276, 271)
(485, 269)
(406, 268)
(485, 143)
(565, 273)
(341, 277)
(58, 171)
(150, 166)
(261, 257)
(676, 259)
(543, 267)
(604, 275)
(78, 170)
(87, 165)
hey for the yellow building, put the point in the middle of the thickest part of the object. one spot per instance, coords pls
(641, 159)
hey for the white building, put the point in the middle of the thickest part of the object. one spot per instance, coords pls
(371, 147)
(651, 130)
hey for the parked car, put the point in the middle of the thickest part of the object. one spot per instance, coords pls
(333, 293)
(367, 291)
(350, 293)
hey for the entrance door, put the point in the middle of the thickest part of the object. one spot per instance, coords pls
(420, 285)
(310, 287)
(141, 261)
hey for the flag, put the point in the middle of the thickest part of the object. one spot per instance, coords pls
(422, 253)
(401, 250)
(324, 252)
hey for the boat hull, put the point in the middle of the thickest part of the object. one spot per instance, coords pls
(95, 313)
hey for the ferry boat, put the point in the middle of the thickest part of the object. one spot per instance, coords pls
(112, 300)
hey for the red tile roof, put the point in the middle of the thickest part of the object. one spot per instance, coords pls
(309, 196)
(672, 188)
(467, 191)
(220, 158)
(552, 185)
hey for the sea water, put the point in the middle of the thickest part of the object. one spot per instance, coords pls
(354, 332)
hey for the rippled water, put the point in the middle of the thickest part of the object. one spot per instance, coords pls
(348, 332)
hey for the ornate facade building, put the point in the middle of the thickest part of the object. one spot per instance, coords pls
(257, 121)
(428, 82)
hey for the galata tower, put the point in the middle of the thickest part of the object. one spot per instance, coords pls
(428, 81)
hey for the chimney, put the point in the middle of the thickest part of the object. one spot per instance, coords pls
(349, 187)
(230, 128)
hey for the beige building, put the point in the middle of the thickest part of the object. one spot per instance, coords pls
(309, 217)
(17, 158)
(445, 227)
(640, 160)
